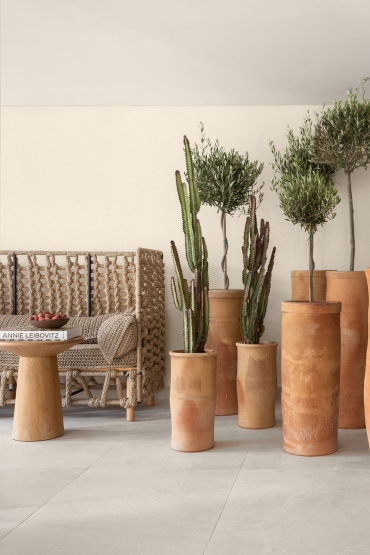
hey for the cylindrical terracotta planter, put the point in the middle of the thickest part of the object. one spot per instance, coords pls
(310, 374)
(256, 384)
(224, 333)
(193, 400)
(367, 374)
(350, 289)
(300, 285)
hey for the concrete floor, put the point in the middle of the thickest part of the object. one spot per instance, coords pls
(109, 486)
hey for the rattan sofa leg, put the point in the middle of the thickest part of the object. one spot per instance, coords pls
(11, 387)
(151, 401)
(130, 411)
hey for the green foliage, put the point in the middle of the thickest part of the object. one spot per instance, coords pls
(299, 157)
(308, 200)
(256, 281)
(191, 299)
(342, 132)
(225, 179)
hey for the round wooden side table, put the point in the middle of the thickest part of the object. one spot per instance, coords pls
(38, 408)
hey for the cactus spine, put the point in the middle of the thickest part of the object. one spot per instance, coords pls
(191, 299)
(256, 281)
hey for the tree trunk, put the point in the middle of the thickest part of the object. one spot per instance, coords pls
(311, 265)
(226, 247)
(351, 222)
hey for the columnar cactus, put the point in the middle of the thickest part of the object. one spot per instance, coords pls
(192, 299)
(256, 281)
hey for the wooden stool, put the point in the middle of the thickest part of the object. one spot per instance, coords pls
(38, 407)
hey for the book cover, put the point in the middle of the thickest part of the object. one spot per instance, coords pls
(33, 334)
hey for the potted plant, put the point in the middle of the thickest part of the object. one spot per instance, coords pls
(310, 358)
(225, 180)
(193, 369)
(256, 376)
(343, 139)
(300, 157)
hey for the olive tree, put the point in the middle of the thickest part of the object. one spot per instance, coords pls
(225, 180)
(305, 186)
(343, 139)
(310, 201)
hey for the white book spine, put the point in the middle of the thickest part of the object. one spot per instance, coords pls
(42, 335)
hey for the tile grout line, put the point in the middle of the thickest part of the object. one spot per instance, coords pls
(71, 482)
(227, 498)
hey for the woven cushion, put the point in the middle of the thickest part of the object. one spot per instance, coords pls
(80, 357)
(117, 336)
(90, 326)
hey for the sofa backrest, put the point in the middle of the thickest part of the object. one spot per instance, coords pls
(73, 283)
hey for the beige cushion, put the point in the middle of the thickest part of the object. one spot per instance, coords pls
(117, 336)
(90, 325)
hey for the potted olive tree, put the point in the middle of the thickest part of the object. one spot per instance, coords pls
(225, 181)
(300, 157)
(256, 376)
(193, 369)
(310, 358)
(343, 139)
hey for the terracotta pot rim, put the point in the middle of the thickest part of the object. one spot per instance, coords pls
(225, 293)
(263, 344)
(305, 307)
(180, 353)
(296, 273)
(345, 275)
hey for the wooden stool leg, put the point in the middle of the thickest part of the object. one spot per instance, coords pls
(151, 401)
(130, 411)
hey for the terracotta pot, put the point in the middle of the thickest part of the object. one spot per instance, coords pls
(300, 285)
(367, 374)
(256, 384)
(310, 373)
(193, 400)
(351, 290)
(224, 333)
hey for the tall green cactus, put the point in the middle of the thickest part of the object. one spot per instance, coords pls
(193, 299)
(256, 281)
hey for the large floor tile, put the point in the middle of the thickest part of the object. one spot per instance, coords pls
(290, 512)
(80, 447)
(24, 491)
(150, 447)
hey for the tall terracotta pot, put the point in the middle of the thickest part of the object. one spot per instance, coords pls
(193, 400)
(310, 373)
(351, 290)
(367, 374)
(224, 333)
(300, 285)
(256, 384)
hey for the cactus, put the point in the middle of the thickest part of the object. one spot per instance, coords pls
(256, 281)
(191, 299)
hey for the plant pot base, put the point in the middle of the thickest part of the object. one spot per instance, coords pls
(327, 451)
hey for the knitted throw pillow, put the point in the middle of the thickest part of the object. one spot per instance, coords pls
(117, 336)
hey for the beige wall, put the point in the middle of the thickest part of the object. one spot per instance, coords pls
(102, 178)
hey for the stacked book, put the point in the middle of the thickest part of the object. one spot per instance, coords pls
(33, 334)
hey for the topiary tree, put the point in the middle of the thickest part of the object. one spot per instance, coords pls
(310, 201)
(225, 180)
(299, 156)
(342, 135)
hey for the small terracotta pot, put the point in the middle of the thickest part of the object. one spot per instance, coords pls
(193, 400)
(367, 374)
(350, 289)
(224, 333)
(310, 373)
(256, 384)
(300, 285)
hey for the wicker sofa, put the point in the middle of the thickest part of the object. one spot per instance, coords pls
(83, 284)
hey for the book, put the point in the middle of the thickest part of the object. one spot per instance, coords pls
(37, 334)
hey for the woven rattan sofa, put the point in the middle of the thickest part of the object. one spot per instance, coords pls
(91, 284)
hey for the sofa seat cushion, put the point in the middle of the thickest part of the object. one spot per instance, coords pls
(79, 357)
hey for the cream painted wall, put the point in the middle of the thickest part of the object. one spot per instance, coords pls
(106, 175)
